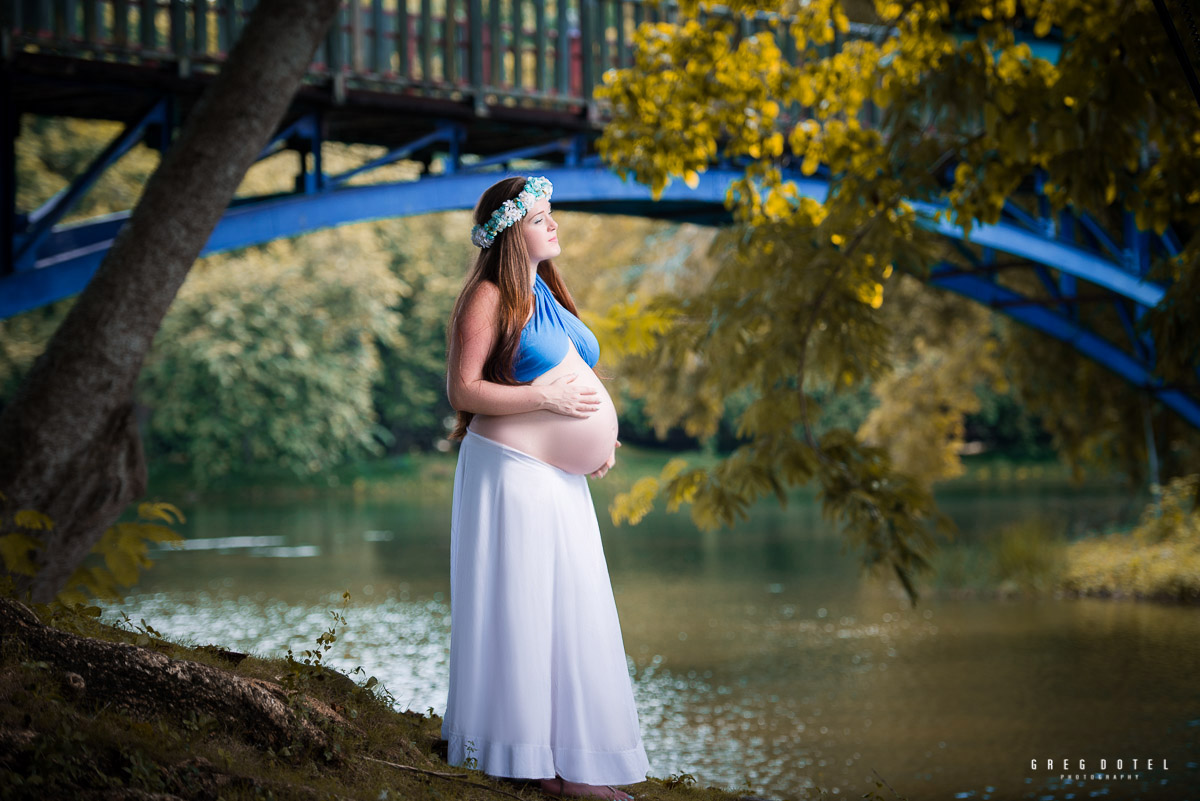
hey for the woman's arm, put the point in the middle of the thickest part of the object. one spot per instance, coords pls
(474, 336)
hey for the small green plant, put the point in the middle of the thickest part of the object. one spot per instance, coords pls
(114, 562)
(74, 617)
(143, 772)
(376, 689)
(880, 783)
(199, 722)
(679, 780)
(314, 657)
(470, 762)
(18, 543)
(144, 631)
(311, 667)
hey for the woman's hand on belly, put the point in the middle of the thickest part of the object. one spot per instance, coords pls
(563, 396)
(579, 444)
(612, 460)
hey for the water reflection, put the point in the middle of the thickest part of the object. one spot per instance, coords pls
(760, 657)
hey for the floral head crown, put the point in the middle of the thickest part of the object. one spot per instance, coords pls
(511, 210)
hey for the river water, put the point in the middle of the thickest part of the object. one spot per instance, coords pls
(760, 657)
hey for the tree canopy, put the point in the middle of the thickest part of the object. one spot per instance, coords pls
(964, 114)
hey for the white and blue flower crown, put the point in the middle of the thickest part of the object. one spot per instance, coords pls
(511, 210)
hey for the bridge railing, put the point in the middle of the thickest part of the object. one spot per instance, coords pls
(539, 52)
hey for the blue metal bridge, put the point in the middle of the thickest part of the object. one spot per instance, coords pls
(467, 87)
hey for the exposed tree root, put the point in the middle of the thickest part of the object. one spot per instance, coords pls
(150, 684)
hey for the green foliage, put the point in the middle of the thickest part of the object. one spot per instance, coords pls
(923, 402)
(143, 630)
(428, 256)
(1092, 417)
(796, 300)
(1029, 555)
(301, 674)
(121, 553)
(1160, 558)
(302, 677)
(314, 657)
(22, 339)
(269, 357)
(18, 538)
(113, 563)
(752, 329)
(470, 763)
(52, 151)
(238, 349)
(635, 504)
(1174, 518)
(1003, 425)
(311, 666)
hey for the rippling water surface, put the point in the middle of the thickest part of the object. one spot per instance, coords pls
(760, 657)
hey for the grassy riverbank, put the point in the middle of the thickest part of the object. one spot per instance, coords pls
(1159, 558)
(1156, 559)
(63, 735)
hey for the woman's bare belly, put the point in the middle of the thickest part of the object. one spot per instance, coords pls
(574, 444)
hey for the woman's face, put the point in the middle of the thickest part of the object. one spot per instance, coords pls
(540, 232)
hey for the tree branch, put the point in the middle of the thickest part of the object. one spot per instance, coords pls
(859, 235)
(460, 777)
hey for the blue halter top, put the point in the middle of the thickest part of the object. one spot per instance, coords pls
(545, 338)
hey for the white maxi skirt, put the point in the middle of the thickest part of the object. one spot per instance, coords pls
(538, 681)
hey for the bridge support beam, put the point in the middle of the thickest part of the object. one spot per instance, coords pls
(41, 220)
(1066, 330)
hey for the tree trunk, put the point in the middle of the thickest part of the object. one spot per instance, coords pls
(69, 444)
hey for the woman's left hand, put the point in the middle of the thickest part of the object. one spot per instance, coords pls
(604, 468)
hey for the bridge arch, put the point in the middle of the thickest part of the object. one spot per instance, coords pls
(453, 86)
(592, 187)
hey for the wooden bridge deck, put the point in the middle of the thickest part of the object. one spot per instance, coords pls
(386, 73)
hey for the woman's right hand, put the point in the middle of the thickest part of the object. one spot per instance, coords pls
(565, 398)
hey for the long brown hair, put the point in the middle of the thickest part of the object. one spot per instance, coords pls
(505, 264)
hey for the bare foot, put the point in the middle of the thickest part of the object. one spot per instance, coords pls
(563, 788)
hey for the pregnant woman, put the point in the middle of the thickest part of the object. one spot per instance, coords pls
(539, 687)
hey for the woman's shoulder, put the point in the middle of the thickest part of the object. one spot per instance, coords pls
(485, 300)
(479, 306)
(485, 295)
